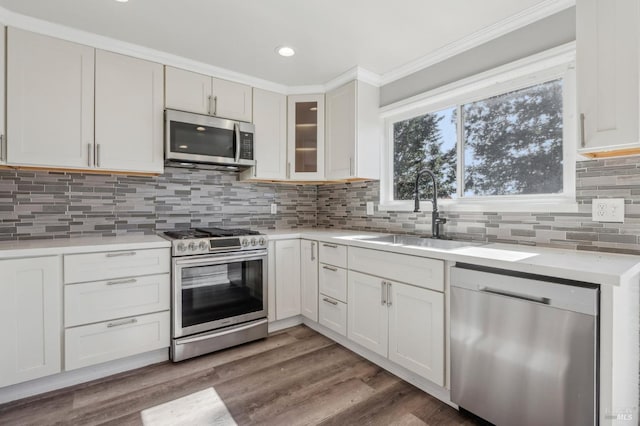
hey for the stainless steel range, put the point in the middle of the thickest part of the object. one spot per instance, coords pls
(219, 289)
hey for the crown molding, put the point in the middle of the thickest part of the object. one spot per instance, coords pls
(528, 16)
(505, 26)
(63, 32)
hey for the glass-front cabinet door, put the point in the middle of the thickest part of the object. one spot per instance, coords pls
(306, 137)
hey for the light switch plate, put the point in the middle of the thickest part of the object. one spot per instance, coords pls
(370, 208)
(274, 208)
(608, 210)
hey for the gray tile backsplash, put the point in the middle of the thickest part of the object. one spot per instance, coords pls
(59, 205)
(344, 206)
(40, 204)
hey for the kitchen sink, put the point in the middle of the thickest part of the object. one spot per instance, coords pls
(413, 241)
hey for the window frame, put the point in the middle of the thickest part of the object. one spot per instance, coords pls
(543, 67)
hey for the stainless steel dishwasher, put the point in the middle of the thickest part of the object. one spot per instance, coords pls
(523, 348)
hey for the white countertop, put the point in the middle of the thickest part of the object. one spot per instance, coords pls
(592, 267)
(33, 248)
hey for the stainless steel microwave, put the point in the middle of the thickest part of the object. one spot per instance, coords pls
(194, 140)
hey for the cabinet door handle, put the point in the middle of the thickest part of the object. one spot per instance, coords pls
(130, 281)
(330, 245)
(3, 148)
(215, 105)
(330, 268)
(333, 302)
(288, 170)
(383, 297)
(255, 169)
(89, 155)
(351, 166)
(313, 250)
(583, 142)
(388, 294)
(209, 108)
(97, 155)
(123, 322)
(122, 253)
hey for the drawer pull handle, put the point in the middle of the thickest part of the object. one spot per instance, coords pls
(130, 281)
(333, 302)
(330, 245)
(124, 322)
(330, 268)
(122, 253)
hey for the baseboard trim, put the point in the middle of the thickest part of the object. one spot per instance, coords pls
(81, 375)
(421, 383)
(285, 323)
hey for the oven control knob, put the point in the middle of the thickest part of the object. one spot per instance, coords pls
(203, 246)
(253, 242)
(181, 247)
(193, 246)
(262, 241)
(245, 242)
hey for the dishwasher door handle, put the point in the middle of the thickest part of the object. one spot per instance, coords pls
(542, 300)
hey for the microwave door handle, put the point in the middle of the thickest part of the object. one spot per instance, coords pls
(236, 128)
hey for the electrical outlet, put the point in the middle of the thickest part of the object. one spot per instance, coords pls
(608, 210)
(370, 208)
(274, 208)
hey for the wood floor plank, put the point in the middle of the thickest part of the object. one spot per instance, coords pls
(294, 377)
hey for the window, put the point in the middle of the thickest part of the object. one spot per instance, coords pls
(494, 142)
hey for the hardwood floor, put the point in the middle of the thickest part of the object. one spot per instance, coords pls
(294, 377)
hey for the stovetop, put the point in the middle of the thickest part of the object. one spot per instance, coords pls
(187, 242)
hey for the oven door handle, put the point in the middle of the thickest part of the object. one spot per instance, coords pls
(215, 259)
(220, 333)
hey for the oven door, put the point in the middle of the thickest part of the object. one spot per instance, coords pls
(211, 292)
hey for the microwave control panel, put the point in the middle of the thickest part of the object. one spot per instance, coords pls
(246, 146)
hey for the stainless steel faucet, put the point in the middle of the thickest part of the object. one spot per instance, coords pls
(436, 220)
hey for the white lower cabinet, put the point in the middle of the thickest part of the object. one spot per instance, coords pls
(333, 314)
(116, 305)
(416, 330)
(287, 278)
(309, 279)
(96, 343)
(333, 282)
(31, 317)
(402, 322)
(368, 323)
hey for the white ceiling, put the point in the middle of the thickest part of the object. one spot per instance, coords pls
(330, 36)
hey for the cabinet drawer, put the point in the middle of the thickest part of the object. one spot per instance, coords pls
(106, 341)
(333, 282)
(105, 300)
(333, 254)
(416, 270)
(333, 314)
(115, 264)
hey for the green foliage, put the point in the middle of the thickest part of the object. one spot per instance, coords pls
(417, 145)
(514, 142)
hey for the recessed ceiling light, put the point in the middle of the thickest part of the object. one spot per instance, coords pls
(285, 51)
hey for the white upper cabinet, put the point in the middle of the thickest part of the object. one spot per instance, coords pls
(305, 138)
(203, 94)
(270, 139)
(50, 101)
(608, 54)
(129, 113)
(3, 133)
(188, 91)
(231, 100)
(353, 132)
(31, 315)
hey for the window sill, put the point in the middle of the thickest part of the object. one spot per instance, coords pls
(557, 205)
